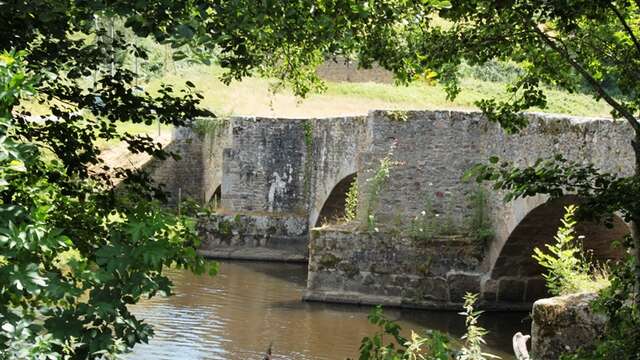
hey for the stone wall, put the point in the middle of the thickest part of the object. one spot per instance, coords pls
(264, 169)
(277, 174)
(429, 153)
(564, 324)
(349, 265)
(424, 209)
(602, 142)
(348, 71)
(254, 237)
(198, 172)
(336, 145)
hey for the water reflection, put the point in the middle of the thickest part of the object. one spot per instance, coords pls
(237, 314)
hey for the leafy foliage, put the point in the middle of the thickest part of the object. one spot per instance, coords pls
(480, 225)
(351, 201)
(432, 346)
(568, 271)
(474, 338)
(73, 252)
(621, 340)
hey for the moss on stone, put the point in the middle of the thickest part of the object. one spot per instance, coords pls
(329, 261)
(350, 270)
(225, 228)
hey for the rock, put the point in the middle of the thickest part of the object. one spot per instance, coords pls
(563, 324)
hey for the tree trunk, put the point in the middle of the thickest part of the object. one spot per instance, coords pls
(635, 234)
(635, 229)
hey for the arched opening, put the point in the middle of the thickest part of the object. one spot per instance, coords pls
(216, 199)
(334, 208)
(515, 264)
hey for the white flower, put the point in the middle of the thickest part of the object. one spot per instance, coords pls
(423, 213)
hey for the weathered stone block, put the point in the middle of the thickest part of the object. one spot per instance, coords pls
(490, 290)
(511, 290)
(435, 288)
(536, 289)
(462, 283)
(563, 324)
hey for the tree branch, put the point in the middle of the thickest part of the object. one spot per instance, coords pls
(590, 79)
(626, 26)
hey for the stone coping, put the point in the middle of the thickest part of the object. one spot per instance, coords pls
(355, 298)
(254, 254)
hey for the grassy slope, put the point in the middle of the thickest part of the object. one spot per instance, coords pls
(252, 97)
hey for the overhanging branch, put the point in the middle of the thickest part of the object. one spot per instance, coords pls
(626, 26)
(590, 79)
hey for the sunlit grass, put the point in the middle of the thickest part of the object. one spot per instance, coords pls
(252, 96)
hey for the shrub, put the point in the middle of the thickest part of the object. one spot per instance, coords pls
(568, 270)
(351, 202)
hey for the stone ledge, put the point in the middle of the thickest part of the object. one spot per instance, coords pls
(356, 298)
(256, 254)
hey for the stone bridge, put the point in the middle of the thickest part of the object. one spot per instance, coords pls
(422, 237)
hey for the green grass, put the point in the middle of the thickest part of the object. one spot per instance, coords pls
(252, 96)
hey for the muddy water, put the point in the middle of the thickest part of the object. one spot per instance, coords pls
(238, 313)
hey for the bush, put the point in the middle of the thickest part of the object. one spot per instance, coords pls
(568, 270)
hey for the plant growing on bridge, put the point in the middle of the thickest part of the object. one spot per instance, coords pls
(376, 184)
(480, 225)
(351, 201)
(209, 126)
(568, 270)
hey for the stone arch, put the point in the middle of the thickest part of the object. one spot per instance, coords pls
(334, 206)
(216, 198)
(518, 274)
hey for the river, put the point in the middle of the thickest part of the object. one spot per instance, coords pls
(249, 305)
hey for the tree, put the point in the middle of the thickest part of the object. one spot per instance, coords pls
(74, 251)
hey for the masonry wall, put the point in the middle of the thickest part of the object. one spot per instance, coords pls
(277, 173)
(341, 71)
(354, 266)
(586, 140)
(198, 172)
(264, 169)
(336, 145)
(429, 152)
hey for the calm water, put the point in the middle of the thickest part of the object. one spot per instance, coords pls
(248, 305)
